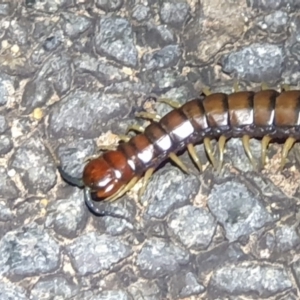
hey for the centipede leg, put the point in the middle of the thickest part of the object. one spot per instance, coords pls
(209, 152)
(178, 162)
(221, 144)
(236, 87)
(124, 138)
(136, 127)
(147, 175)
(123, 190)
(286, 148)
(206, 91)
(194, 156)
(285, 87)
(264, 146)
(146, 115)
(264, 86)
(246, 139)
(170, 102)
(90, 203)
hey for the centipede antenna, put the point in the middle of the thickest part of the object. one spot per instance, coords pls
(70, 179)
(90, 203)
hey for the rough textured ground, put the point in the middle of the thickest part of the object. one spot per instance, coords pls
(74, 72)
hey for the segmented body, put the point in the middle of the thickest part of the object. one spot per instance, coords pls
(265, 114)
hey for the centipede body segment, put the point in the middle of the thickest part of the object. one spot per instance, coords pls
(266, 114)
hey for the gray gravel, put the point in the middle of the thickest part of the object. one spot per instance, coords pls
(73, 74)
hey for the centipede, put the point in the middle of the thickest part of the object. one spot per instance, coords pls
(266, 115)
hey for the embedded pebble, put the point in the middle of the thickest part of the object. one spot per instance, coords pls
(74, 25)
(255, 62)
(225, 253)
(12, 291)
(185, 285)
(6, 144)
(114, 38)
(237, 209)
(34, 165)
(90, 117)
(159, 258)
(8, 189)
(140, 12)
(28, 251)
(164, 58)
(148, 290)
(93, 252)
(72, 155)
(67, 216)
(174, 12)
(3, 124)
(108, 5)
(264, 280)
(59, 286)
(6, 87)
(175, 190)
(5, 212)
(194, 227)
(37, 93)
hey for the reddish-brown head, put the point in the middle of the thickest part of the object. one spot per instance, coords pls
(107, 174)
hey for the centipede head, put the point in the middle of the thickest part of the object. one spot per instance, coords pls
(101, 178)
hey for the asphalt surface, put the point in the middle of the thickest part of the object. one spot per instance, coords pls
(72, 76)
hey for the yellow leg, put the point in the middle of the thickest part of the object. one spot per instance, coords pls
(286, 148)
(206, 91)
(123, 190)
(236, 87)
(147, 175)
(194, 156)
(124, 138)
(178, 162)
(170, 102)
(264, 146)
(221, 144)
(285, 87)
(137, 128)
(264, 86)
(246, 139)
(209, 152)
(146, 115)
